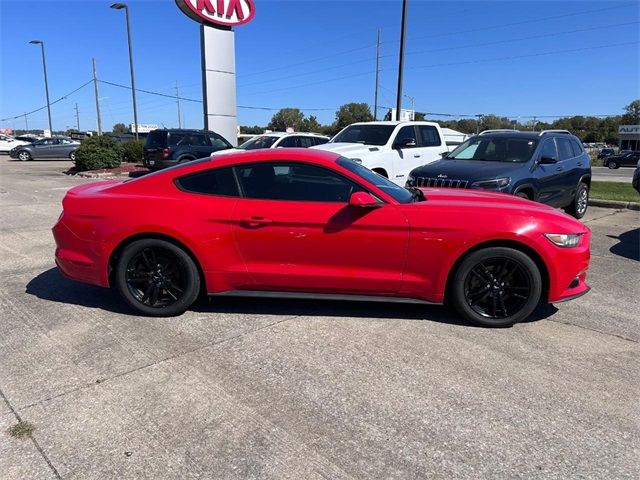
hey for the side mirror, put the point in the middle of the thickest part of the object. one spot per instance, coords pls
(405, 143)
(444, 154)
(363, 200)
(547, 160)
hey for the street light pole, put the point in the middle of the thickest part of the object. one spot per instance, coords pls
(403, 30)
(120, 6)
(46, 82)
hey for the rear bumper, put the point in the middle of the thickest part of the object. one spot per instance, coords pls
(153, 164)
(79, 259)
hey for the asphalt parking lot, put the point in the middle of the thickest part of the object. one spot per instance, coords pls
(281, 389)
(619, 175)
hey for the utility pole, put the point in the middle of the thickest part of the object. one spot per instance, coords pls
(403, 31)
(26, 123)
(46, 82)
(77, 118)
(479, 115)
(95, 88)
(375, 98)
(178, 102)
(535, 120)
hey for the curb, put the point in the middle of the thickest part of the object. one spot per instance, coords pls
(594, 202)
(101, 175)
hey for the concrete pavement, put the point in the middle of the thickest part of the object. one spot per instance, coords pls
(241, 388)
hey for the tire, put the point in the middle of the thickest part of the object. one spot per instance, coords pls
(24, 156)
(613, 165)
(496, 287)
(523, 195)
(72, 156)
(580, 203)
(157, 278)
(185, 159)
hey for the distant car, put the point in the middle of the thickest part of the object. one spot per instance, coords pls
(635, 183)
(280, 140)
(47, 148)
(28, 138)
(549, 167)
(606, 152)
(623, 159)
(8, 143)
(167, 147)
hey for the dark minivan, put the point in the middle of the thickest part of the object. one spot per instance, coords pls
(549, 167)
(167, 147)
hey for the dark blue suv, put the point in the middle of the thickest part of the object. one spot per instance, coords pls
(549, 167)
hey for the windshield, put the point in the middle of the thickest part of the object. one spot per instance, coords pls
(496, 149)
(365, 134)
(263, 141)
(401, 195)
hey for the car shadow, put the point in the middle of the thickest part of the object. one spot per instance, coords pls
(628, 245)
(52, 286)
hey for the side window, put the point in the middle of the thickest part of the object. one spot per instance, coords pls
(294, 182)
(210, 182)
(217, 141)
(320, 140)
(564, 148)
(288, 142)
(195, 140)
(175, 138)
(406, 134)
(305, 142)
(549, 149)
(577, 148)
(429, 136)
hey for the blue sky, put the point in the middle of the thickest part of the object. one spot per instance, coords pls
(512, 58)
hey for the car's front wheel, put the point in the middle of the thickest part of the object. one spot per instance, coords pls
(496, 287)
(612, 164)
(578, 207)
(23, 156)
(72, 156)
(157, 278)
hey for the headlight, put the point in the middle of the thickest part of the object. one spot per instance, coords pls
(564, 240)
(494, 184)
(357, 160)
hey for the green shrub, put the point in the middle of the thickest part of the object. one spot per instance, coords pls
(98, 152)
(132, 151)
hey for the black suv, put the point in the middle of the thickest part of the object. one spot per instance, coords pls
(167, 147)
(626, 158)
(549, 167)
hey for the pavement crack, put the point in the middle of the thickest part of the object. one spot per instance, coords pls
(621, 337)
(32, 437)
(151, 364)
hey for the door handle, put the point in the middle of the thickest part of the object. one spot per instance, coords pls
(255, 221)
(417, 155)
(559, 169)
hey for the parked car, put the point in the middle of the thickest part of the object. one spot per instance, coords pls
(549, 167)
(625, 158)
(635, 182)
(8, 143)
(28, 138)
(606, 152)
(47, 148)
(168, 147)
(391, 149)
(279, 140)
(301, 222)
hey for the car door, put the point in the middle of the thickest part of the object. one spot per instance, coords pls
(42, 149)
(406, 154)
(568, 170)
(296, 232)
(549, 176)
(430, 144)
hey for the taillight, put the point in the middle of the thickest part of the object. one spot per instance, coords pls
(166, 152)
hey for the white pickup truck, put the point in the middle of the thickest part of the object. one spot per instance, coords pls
(391, 149)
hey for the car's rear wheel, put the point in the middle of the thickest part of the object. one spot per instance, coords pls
(612, 164)
(496, 287)
(23, 156)
(72, 156)
(578, 207)
(523, 195)
(157, 278)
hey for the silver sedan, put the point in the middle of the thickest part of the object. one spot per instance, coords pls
(54, 147)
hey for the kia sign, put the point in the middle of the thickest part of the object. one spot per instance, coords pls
(218, 13)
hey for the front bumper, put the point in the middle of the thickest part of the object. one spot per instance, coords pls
(568, 271)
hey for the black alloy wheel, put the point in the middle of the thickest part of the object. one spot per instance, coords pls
(497, 287)
(578, 207)
(157, 278)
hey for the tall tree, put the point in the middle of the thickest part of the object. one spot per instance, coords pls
(285, 118)
(351, 113)
(120, 128)
(311, 125)
(632, 113)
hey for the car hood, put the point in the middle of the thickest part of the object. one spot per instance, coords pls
(349, 150)
(467, 169)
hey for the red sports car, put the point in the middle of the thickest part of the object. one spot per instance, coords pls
(307, 223)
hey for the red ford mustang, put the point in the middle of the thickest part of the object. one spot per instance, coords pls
(305, 223)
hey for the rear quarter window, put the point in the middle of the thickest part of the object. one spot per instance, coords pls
(220, 181)
(156, 139)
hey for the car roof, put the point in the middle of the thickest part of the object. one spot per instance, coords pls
(395, 122)
(526, 134)
(286, 134)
